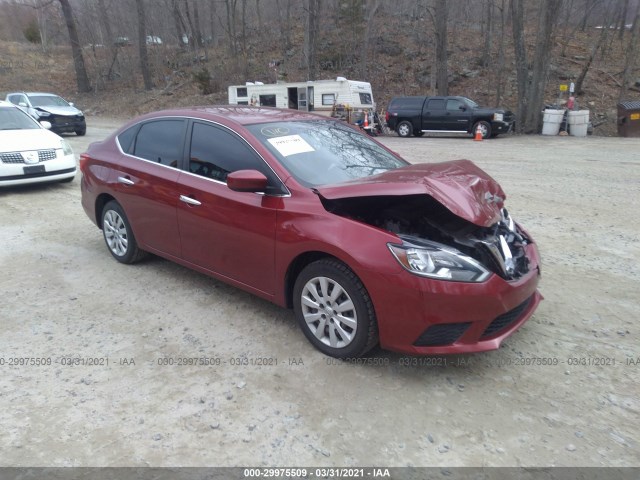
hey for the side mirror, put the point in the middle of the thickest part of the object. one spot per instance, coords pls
(46, 124)
(463, 108)
(247, 181)
(22, 104)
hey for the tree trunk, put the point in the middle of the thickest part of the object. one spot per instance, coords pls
(623, 18)
(311, 37)
(486, 52)
(82, 80)
(520, 50)
(629, 61)
(544, 40)
(372, 8)
(142, 45)
(179, 23)
(196, 24)
(501, 61)
(442, 74)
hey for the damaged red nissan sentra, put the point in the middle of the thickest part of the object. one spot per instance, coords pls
(310, 214)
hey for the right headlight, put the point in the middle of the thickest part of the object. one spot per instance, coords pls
(498, 117)
(439, 262)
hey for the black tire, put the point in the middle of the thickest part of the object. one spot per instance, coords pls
(81, 131)
(357, 330)
(118, 234)
(404, 129)
(485, 129)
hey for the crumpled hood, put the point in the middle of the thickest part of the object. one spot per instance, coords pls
(459, 185)
(64, 111)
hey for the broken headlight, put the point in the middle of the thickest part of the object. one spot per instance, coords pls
(433, 260)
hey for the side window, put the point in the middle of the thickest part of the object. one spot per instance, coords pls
(160, 141)
(436, 104)
(454, 105)
(365, 99)
(216, 152)
(267, 100)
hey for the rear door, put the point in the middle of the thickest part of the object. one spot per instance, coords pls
(434, 114)
(146, 183)
(226, 232)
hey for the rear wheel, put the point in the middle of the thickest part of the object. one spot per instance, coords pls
(404, 129)
(485, 129)
(334, 309)
(118, 234)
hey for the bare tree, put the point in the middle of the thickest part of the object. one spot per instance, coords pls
(594, 50)
(142, 45)
(82, 79)
(284, 19)
(442, 74)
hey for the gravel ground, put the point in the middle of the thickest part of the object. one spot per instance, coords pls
(562, 391)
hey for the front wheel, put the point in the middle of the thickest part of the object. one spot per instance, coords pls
(485, 129)
(118, 234)
(81, 131)
(334, 309)
(404, 129)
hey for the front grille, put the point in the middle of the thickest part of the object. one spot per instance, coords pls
(13, 157)
(441, 334)
(506, 319)
(45, 155)
(16, 157)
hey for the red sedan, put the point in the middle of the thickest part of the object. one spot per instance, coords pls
(310, 214)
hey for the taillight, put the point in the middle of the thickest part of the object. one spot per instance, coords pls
(84, 158)
(386, 116)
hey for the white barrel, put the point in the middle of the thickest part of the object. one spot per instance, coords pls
(578, 123)
(551, 121)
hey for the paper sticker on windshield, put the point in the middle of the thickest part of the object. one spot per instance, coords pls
(290, 145)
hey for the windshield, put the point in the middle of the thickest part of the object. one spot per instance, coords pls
(324, 152)
(15, 119)
(47, 101)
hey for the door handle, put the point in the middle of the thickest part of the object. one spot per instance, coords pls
(126, 181)
(189, 200)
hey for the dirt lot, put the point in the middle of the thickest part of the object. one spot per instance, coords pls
(64, 298)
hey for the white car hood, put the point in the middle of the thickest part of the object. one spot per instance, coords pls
(21, 140)
(65, 111)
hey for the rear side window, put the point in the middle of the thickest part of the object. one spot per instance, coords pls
(406, 103)
(160, 141)
(125, 139)
(436, 104)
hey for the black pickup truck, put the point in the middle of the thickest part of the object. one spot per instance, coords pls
(417, 115)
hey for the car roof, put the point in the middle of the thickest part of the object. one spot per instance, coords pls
(33, 93)
(238, 114)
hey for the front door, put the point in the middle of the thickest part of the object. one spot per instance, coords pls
(302, 99)
(226, 232)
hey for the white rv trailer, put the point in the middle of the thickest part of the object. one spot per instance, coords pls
(318, 96)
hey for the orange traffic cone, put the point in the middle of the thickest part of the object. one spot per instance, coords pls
(366, 120)
(478, 137)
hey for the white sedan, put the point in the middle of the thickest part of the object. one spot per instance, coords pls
(29, 152)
